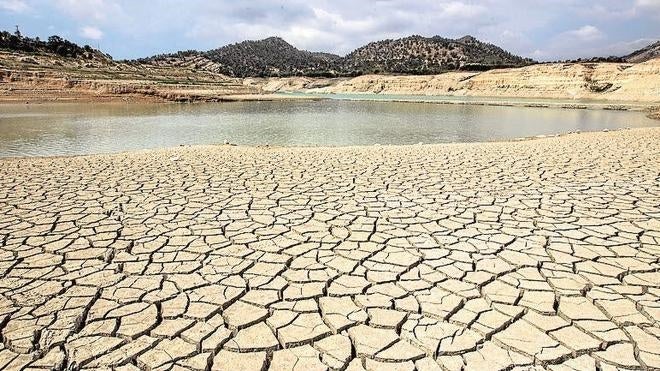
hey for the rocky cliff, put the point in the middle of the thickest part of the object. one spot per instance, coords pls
(600, 81)
(50, 77)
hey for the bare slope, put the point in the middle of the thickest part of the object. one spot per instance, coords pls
(644, 54)
(604, 81)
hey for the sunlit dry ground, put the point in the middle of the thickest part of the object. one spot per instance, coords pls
(542, 253)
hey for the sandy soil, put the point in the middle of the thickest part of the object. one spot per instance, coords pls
(543, 254)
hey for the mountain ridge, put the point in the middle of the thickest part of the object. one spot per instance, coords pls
(414, 54)
(644, 54)
(275, 57)
(431, 55)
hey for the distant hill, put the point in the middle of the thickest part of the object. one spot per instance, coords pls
(644, 54)
(411, 55)
(57, 69)
(271, 57)
(54, 45)
(430, 55)
(255, 58)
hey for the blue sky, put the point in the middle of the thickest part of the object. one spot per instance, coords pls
(541, 29)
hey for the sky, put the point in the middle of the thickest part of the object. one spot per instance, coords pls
(540, 29)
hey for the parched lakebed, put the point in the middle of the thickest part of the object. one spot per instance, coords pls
(540, 254)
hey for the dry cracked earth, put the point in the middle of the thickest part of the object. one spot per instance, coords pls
(541, 254)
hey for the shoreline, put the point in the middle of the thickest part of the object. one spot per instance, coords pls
(610, 86)
(651, 108)
(557, 103)
(148, 100)
(266, 147)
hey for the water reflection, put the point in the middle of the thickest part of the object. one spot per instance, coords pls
(29, 130)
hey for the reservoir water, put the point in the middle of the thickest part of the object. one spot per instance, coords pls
(73, 129)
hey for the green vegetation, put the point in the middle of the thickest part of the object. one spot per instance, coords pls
(54, 45)
(412, 55)
(264, 58)
(430, 55)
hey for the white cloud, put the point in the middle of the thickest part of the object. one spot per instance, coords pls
(648, 7)
(511, 37)
(91, 10)
(584, 42)
(586, 33)
(91, 32)
(337, 26)
(627, 47)
(648, 3)
(16, 6)
(539, 54)
(457, 9)
(558, 28)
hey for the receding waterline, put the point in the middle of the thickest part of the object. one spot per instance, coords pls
(72, 129)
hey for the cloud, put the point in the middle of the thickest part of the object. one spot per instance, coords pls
(626, 47)
(586, 33)
(91, 32)
(649, 4)
(337, 26)
(539, 28)
(91, 10)
(538, 54)
(586, 41)
(648, 7)
(457, 9)
(15, 6)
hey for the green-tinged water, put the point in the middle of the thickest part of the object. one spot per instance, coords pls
(68, 129)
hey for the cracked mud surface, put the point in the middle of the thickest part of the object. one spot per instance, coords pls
(533, 255)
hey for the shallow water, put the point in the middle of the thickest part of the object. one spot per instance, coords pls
(519, 101)
(68, 129)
